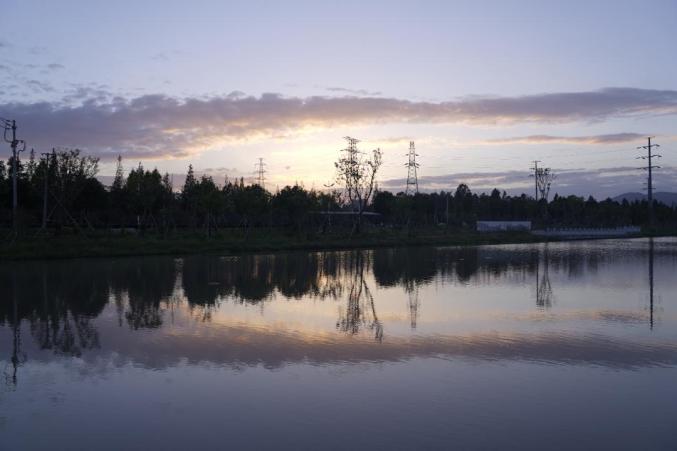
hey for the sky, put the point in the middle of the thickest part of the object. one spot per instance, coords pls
(482, 87)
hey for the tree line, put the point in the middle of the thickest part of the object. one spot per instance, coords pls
(60, 189)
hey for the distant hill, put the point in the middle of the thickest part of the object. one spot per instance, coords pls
(663, 197)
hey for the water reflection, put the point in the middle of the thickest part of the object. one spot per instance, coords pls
(651, 287)
(360, 311)
(61, 305)
(544, 293)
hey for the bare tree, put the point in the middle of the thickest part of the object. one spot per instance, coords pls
(357, 175)
(544, 178)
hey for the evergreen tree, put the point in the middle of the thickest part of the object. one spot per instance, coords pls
(31, 166)
(190, 183)
(119, 180)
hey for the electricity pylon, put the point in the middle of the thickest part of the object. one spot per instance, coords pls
(649, 168)
(412, 177)
(260, 170)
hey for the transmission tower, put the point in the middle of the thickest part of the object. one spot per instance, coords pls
(261, 171)
(350, 170)
(412, 178)
(649, 168)
(351, 150)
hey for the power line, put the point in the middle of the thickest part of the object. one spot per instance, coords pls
(412, 177)
(649, 168)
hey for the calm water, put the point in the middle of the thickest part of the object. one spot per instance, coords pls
(570, 345)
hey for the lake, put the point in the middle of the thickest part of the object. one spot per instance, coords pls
(544, 346)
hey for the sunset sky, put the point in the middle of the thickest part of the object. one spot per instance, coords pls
(482, 87)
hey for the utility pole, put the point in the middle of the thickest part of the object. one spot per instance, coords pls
(649, 168)
(261, 173)
(412, 178)
(10, 125)
(535, 169)
(45, 191)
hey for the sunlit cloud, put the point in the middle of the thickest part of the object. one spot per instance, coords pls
(615, 138)
(158, 126)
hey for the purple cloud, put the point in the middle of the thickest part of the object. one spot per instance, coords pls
(158, 126)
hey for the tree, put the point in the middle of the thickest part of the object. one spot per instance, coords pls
(188, 195)
(293, 204)
(544, 178)
(208, 200)
(70, 178)
(251, 203)
(146, 194)
(357, 175)
(119, 179)
(118, 201)
(384, 203)
(189, 184)
(32, 165)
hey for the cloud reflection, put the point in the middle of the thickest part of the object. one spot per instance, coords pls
(159, 311)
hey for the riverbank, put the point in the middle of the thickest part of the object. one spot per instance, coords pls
(235, 241)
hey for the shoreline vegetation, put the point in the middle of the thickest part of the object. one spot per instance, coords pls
(239, 241)
(62, 210)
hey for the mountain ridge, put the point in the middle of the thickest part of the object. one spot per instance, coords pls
(664, 197)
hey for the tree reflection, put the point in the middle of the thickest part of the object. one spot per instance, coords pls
(17, 356)
(59, 301)
(544, 294)
(144, 283)
(360, 311)
(413, 303)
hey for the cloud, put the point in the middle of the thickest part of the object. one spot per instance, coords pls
(615, 138)
(55, 66)
(91, 93)
(479, 181)
(39, 86)
(37, 50)
(160, 57)
(238, 343)
(158, 126)
(393, 140)
(600, 182)
(358, 92)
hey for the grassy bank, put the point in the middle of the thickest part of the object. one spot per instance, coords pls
(36, 246)
(234, 241)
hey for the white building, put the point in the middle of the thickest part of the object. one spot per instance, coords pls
(503, 226)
